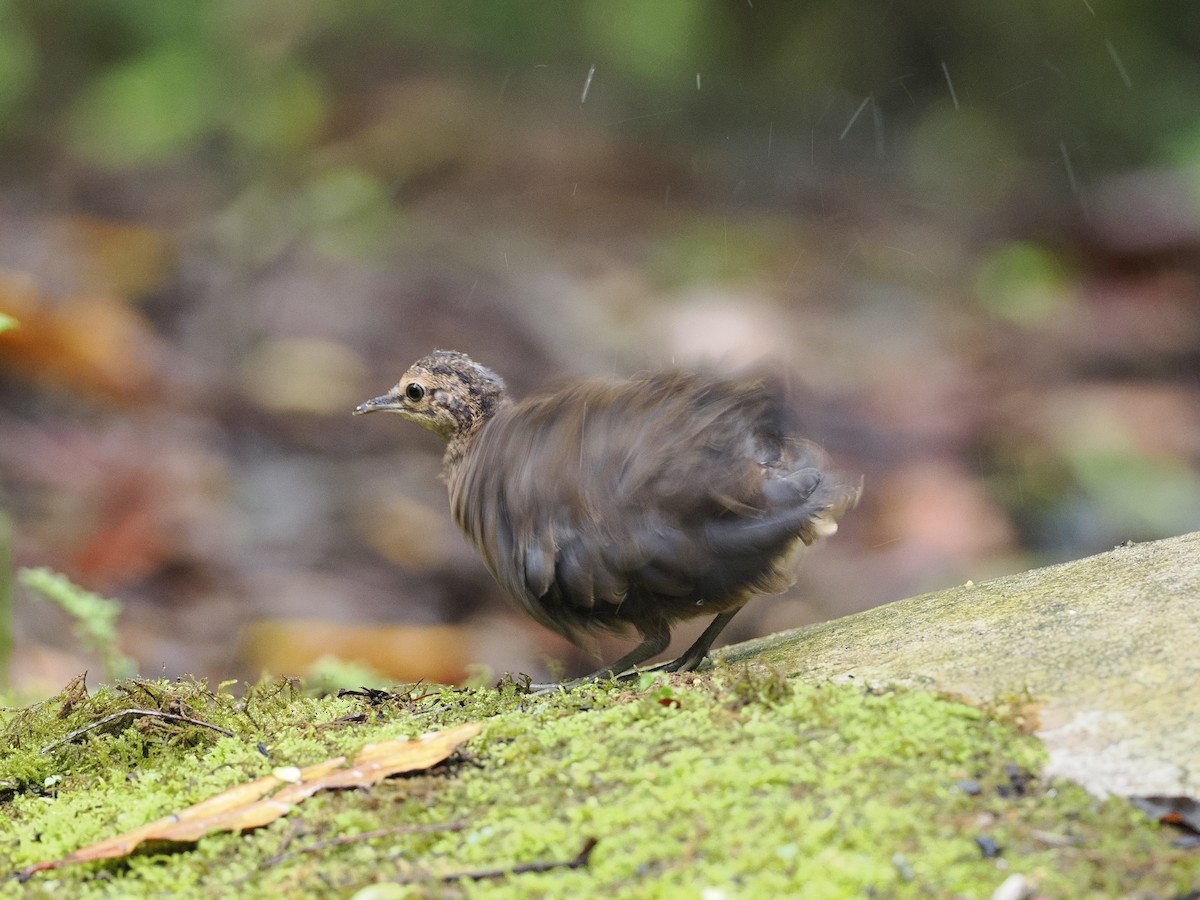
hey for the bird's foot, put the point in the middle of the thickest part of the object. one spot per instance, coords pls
(594, 678)
(537, 689)
(684, 663)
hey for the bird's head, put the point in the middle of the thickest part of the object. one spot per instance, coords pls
(447, 392)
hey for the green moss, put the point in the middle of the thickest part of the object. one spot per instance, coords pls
(744, 781)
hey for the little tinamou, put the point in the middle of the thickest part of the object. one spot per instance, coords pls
(639, 503)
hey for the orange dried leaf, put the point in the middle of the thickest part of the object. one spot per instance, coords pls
(249, 806)
(402, 652)
(97, 344)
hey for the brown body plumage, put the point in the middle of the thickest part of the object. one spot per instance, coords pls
(625, 503)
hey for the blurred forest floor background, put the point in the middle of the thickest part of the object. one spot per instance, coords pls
(971, 231)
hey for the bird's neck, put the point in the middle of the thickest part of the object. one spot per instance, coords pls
(456, 449)
(461, 439)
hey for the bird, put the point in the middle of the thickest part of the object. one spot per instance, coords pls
(617, 504)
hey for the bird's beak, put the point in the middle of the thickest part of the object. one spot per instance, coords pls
(387, 401)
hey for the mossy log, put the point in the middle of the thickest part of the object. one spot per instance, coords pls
(1106, 650)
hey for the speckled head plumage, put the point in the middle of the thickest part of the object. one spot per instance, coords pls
(447, 392)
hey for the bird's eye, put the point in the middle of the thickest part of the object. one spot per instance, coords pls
(415, 391)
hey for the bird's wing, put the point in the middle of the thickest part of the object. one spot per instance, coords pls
(616, 503)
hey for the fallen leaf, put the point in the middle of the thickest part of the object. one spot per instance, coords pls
(253, 804)
(97, 345)
(438, 653)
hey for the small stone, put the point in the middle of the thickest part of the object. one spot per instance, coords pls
(1014, 887)
(987, 845)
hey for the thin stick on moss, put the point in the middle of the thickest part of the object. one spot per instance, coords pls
(578, 862)
(157, 714)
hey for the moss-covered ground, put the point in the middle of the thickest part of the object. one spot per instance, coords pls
(736, 783)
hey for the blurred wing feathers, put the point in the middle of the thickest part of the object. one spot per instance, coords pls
(672, 488)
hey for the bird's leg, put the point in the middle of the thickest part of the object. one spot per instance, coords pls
(691, 658)
(651, 645)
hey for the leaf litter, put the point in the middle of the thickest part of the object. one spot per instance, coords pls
(262, 801)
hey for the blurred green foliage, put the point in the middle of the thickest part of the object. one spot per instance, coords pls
(1023, 282)
(150, 108)
(1150, 493)
(94, 617)
(135, 82)
(1154, 496)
